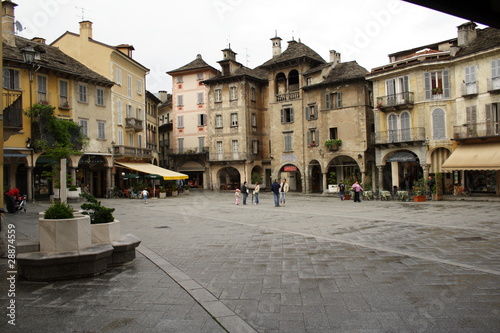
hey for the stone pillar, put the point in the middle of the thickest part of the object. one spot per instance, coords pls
(380, 179)
(325, 182)
(395, 174)
(72, 170)
(425, 168)
(63, 193)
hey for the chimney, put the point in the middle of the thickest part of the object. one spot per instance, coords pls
(466, 33)
(276, 45)
(162, 95)
(86, 29)
(8, 20)
(334, 57)
(38, 40)
(126, 49)
(228, 54)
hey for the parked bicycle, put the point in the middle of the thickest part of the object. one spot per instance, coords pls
(461, 190)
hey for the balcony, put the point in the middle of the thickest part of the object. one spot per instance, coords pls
(409, 136)
(133, 124)
(288, 96)
(493, 85)
(469, 89)
(12, 114)
(395, 102)
(188, 151)
(134, 152)
(477, 130)
(226, 157)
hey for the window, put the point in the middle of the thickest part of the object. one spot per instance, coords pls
(235, 149)
(492, 119)
(11, 79)
(139, 87)
(139, 140)
(233, 93)
(218, 121)
(288, 141)
(234, 119)
(287, 115)
(42, 89)
(333, 133)
(201, 98)
(253, 94)
(139, 114)
(333, 100)
(393, 127)
(312, 137)
(180, 145)
(199, 76)
(84, 126)
(470, 85)
(119, 113)
(218, 95)
(63, 94)
(82, 93)
(255, 147)
(309, 81)
(101, 130)
(405, 127)
(437, 85)
(495, 75)
(202, 119)
(118, 76)
(471, 120)
(130, 111)
(120, 137)
(180, 79)
(129, 86)
(438, 125)
(180, 100)
(201, 143)
(180, 121)
(131, 139)
(311, 112)
(99, 98)
(254, 119)
(220, 150)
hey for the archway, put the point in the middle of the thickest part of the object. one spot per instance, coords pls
(315, 177)
(293, 176)
(346, 169)
(92, 171)
(402, 169)
(229, 178)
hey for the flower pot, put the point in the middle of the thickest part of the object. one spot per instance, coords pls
(419, 198)
(163, 195)
(175, 193)
(105, 233)
(347, 197)
(64, 235)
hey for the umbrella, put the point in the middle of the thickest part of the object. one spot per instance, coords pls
(153, 177)
(130, 176)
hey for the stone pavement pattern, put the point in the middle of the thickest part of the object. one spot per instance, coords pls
(316, 265)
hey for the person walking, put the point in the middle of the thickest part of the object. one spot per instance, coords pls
(256, 193)
(283, 191)
(237, 196)
(357, 190)
(430, 187)
(341, 190)
(145, 194)
(244, 191)
(275, 188)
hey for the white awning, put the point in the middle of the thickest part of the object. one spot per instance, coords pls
(484, 156)
(154, 170)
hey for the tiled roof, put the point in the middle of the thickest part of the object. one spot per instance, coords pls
(344, 71)
(487, 38)
(197, 63)
(295, 50)
(54, 59)
(257, 74)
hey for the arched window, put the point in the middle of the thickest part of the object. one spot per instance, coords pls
(405, 127)
(392, 128)
(293, 80)
(438, 125)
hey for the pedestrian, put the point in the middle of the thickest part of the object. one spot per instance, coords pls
(341, 190)
(256, 193)
(244, 191)
(430, 185)
(357, 190)
(237, 196)
(145, 194)
(86, 189)
(275, 188)
(283, 190)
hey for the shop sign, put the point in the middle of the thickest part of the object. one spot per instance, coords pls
(402, 156)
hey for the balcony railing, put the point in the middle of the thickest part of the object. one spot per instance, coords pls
(187, 151)
(13, 113)
(400, 136)
(288, 96)
(133, 124)
(469, 89)
(236, 156)
(476, 130)
(399, 101)
(126, 151)
(493, 85)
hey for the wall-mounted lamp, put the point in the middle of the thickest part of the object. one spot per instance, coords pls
(359, 155)
(28, 142)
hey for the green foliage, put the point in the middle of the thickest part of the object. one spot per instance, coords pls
(332, 178)
(256, 177)
(97, 212)
(420, 186)
(59, 210)
(333, 142)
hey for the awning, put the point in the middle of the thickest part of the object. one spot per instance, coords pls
(153, 169)
(485, 156)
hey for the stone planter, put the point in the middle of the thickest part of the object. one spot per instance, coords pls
(105, 233)
(419, 198)
(163, 195)
(175, 193)
(437, 197)
(64, 235)
(74, 194)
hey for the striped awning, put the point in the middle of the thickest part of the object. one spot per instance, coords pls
(438, 157)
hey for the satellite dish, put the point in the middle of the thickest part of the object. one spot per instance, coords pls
(19, 26)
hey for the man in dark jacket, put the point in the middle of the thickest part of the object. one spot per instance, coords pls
(244, 191)
(275, 187)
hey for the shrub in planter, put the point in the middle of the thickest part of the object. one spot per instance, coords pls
(97, 212)
(59, 210)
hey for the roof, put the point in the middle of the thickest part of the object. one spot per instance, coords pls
(487, 38)
(295, 50)
(241, 71)
(342, 72)
(54, 59)
(197, 63)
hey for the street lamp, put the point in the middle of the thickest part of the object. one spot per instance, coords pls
(29, 54)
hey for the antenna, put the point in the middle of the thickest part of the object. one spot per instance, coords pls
(246, 56)
(83, 13)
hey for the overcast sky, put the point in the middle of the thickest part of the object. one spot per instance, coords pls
(169, 34)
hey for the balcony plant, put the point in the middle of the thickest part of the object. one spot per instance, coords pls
(333, 144)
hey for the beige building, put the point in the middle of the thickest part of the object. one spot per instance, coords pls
(273, 122)
(128, 95)
(438, 100)
(189, 145)
(79, 94)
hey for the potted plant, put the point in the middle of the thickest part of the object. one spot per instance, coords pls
(186, 189)
(348, 190)
(437, 190)
(333, 144)
(163, 192)
(74, 191)
(104, 227)
(419, 188)
(175, 190)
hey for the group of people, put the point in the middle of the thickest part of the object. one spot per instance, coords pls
(245, 191)
(279, 192)
(356, 187)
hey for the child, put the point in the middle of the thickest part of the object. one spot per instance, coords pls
(145, 194)
(237, 196)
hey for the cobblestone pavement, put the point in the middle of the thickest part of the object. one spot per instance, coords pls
(317, 265)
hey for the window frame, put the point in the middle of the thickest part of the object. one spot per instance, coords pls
(12, 77)
(99, 96)
(101, 130)
(82, 93)
(234, 119)
(219, 121)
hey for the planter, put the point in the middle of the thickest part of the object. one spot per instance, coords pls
(175, 193)
(419, 198)
(105, 233)
(347, 197)
(163, 195)
(75, 194)
(186, 192)
(64, 235)
(333, 148)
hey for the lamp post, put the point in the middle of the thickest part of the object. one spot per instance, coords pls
(29, 55)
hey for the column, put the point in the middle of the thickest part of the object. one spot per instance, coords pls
(380, 179)
(325, 182)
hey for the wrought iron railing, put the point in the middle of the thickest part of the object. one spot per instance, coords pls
(476, 130)
(13, 113)
(404, 99)
(399, 136)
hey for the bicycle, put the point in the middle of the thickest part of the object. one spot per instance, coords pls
(461, 190)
